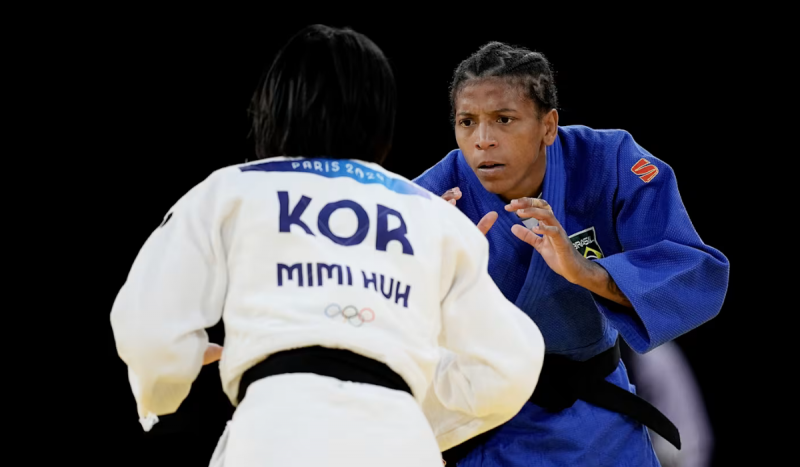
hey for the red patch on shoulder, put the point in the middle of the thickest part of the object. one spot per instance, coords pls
(645, 170)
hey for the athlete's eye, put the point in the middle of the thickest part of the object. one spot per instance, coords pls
(505, 120)
(465, 122)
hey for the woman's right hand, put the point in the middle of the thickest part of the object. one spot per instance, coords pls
(452, 195)
(212, 354)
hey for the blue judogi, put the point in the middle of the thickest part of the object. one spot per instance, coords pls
(621, 207)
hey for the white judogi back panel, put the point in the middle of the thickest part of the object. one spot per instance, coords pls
(298, 252)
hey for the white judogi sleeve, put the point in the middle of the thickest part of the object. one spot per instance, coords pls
(174, 291)
(491, 352)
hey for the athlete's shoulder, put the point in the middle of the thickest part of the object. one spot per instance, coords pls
(598, 141)
(442, 175)
(223, 178)
(447, 163)
(616, 151)
(610, 148)
(255, 165)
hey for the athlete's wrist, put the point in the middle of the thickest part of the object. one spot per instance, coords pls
(594, 278)
(587, 274)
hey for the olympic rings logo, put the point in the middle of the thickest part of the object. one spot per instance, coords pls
(350, 314)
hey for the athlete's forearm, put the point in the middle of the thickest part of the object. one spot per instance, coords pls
(597, 280)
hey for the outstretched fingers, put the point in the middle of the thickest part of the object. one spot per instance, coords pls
(526, 235)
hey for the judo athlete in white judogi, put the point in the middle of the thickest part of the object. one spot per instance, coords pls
(362, 326)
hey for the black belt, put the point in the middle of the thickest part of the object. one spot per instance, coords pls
(335, 363)
(564, 381)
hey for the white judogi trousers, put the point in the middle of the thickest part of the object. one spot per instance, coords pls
(307, 420)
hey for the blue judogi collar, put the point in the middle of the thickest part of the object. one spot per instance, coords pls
(553, 192)
(509, 257)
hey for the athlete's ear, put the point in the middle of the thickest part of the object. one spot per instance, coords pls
(550, 121)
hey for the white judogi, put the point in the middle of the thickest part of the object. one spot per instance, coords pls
(295, 252)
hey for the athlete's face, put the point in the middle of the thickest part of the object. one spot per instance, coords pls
(503, 137)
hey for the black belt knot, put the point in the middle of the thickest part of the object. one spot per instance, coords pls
(563, 382)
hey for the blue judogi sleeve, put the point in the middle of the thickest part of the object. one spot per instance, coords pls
(674, 281)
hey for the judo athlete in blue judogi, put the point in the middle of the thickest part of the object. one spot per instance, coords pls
(588, 235)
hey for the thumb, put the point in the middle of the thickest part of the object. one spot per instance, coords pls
(487, 222)
(212, 354)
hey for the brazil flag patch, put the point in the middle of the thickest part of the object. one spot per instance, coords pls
(585, 242)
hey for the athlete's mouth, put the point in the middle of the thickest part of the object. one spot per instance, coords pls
(490, 168)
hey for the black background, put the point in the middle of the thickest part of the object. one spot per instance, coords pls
(168, 100)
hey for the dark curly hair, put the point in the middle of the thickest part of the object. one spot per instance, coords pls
(521, 66)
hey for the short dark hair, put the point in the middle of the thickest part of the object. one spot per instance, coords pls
(329, 93)
(517, 64)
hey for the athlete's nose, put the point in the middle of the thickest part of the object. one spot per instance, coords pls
(485, 139)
